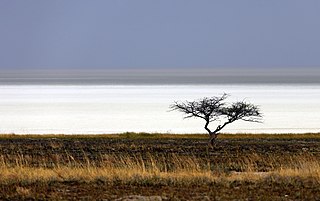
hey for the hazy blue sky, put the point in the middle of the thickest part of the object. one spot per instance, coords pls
(159, 34)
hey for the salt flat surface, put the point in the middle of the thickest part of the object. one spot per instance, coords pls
(88, 109)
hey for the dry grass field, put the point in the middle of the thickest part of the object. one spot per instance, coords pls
(163, 166)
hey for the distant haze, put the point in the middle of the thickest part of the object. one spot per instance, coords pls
(159, 76)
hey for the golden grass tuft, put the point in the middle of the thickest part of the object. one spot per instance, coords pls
(156, 169)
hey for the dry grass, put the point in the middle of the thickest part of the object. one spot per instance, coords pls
(155, 169)
(104, 166)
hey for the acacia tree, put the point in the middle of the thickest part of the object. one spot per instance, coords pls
(216, 109)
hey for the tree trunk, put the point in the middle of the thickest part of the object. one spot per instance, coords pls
(206, 126)
(213, 137)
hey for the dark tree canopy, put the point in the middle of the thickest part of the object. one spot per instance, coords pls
(216, 109)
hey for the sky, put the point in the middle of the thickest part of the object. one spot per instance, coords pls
(163, 34)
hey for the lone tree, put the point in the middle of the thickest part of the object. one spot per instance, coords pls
(216, 109)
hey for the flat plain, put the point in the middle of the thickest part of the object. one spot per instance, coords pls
(160, 167)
